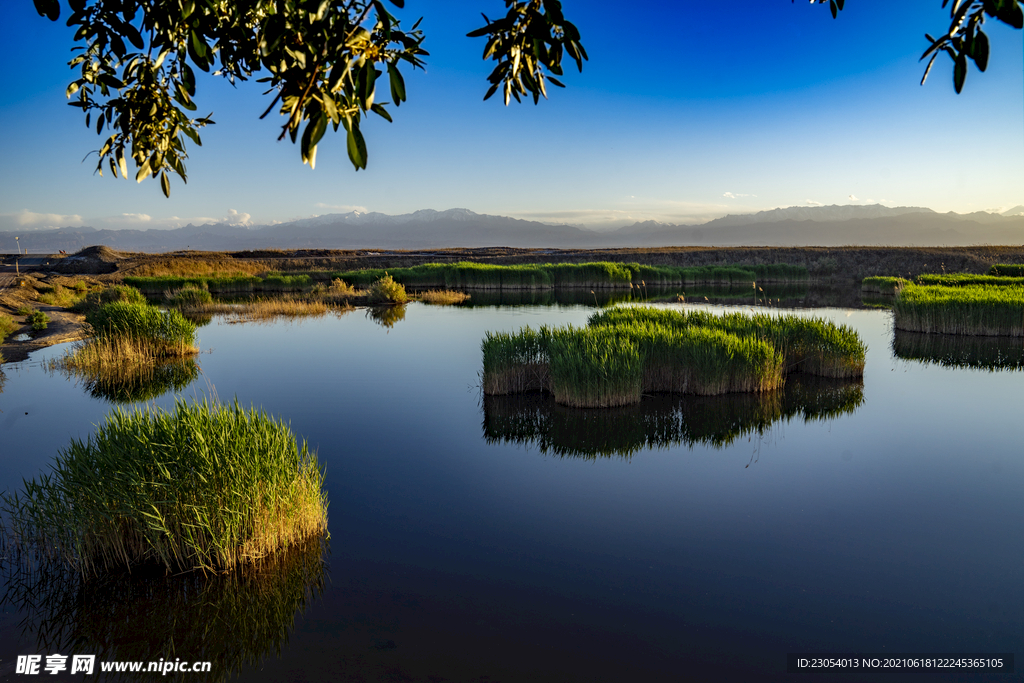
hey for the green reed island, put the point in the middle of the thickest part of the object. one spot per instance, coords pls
(205, 486)
(624, 352)
(957, 303)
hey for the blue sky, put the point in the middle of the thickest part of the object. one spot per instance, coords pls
(686, 111)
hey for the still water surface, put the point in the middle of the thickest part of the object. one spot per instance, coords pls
(469, 543)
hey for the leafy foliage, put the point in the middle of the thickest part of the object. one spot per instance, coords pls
(964, 39)
(137, 60)
(531, 38)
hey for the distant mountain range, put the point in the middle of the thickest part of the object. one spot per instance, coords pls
(873, 225)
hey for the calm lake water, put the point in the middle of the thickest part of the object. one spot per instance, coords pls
(689, 539)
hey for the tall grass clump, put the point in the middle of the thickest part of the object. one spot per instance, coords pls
(205, 486)
(594, 368)
(189, 297)
(169, 333)
(604, 365)
(387, 291)
(515, 363)
(443, 297)
(811, 345)
(1007, 270)
(7, 327)
(973, 310)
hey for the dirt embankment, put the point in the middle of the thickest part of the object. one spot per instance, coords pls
(841, 263)
(19, 292)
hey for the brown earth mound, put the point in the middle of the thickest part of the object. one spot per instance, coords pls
(96, 260)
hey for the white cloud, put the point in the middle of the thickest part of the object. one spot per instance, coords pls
(811, 202)
(853, 199)
(129, 220)
(736, 195)
(30, 220)
(235, 218)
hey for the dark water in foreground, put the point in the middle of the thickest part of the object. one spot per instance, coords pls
(687, 539)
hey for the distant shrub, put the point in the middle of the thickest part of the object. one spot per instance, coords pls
(38, 320)
(7, 327)
(387, 291)
(189, 297)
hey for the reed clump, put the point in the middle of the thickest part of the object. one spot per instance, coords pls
(881, 284)
(168, 334)
(982, 310)
(594, 368)
(205, 486)
(613, 364)
(443, 297)
(188, 298)
(809, 345)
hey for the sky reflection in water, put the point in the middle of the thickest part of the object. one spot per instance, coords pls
(457, 551)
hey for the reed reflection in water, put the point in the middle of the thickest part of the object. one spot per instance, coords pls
(232, 620)
(662, 420)
(960, 351)
(134, 383)
(775, 294)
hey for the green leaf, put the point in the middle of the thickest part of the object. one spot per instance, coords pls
(143, 171)
(165, 184)
(981, 51)
(48, 8)
(959, 72)
(356, 147)
(133, 35)
(832, 6)
(397, 84)
(381, 112)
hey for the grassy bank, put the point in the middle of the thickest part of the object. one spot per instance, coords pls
(205, 486)
(539, 276)
(970, 310)
(967, 279)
